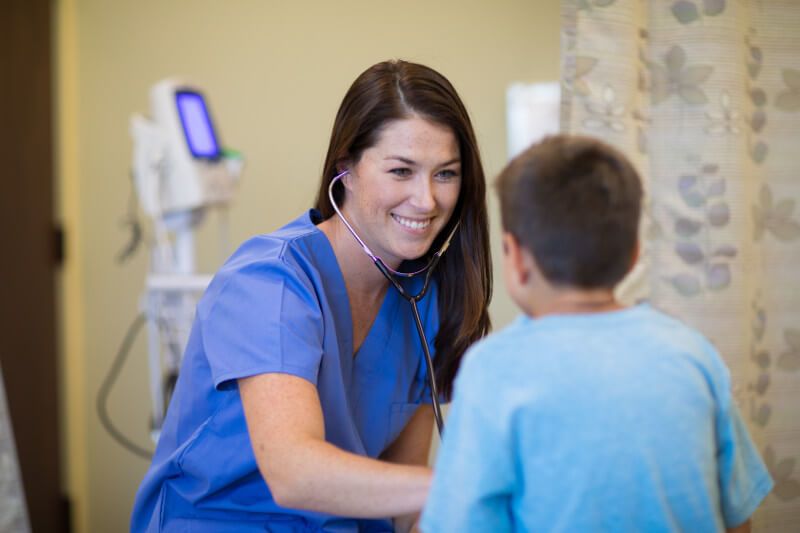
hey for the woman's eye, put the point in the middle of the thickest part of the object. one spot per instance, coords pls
(446, 175)
(402, 172)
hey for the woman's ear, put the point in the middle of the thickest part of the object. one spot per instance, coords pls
(343, 165)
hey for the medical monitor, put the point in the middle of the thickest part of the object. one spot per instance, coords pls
(197, 126)
(178, 161)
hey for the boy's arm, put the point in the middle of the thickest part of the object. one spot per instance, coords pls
(474, 474)
(744, 480)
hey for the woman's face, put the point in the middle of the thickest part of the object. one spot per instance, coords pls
(403, 190)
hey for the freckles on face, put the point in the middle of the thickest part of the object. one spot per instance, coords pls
(404, 189)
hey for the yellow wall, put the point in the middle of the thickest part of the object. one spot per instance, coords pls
(74, 438)
(274, 73)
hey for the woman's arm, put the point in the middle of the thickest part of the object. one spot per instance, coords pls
(287, 432)
(413, 444)
(412, 447)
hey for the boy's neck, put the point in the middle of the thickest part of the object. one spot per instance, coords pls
(570, 300)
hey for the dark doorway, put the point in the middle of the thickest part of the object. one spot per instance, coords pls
(30, 255)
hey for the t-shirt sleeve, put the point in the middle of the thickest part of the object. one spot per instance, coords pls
(474, 473)
(743, 478)
(262, 318)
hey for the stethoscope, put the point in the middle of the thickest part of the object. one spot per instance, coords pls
(392, 275)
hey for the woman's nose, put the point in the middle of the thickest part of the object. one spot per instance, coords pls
(422, 195)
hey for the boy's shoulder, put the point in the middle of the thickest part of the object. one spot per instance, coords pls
(502, 343)
(674, 331)
(633, 320)
(499, 355)
(527, 340)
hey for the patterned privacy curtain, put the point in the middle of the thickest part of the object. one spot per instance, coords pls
(704, 96)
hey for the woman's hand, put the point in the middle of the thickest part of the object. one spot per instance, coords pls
(287, 433)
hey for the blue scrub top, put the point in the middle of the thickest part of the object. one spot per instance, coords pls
(279, 304)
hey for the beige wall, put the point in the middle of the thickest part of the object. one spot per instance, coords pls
(274, 73)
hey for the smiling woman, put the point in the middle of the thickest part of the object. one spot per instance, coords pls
(390, 92)
(302, 403)
(428, 190)
(403, 190)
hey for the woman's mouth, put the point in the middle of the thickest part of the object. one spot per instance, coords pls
(413, 223)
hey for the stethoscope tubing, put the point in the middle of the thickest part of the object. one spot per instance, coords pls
(437, 409)
(411, 298)
(423, 339)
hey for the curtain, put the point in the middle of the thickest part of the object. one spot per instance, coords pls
(704, 97)
(13, 513)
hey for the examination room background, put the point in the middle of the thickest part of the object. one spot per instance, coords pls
(273, 74)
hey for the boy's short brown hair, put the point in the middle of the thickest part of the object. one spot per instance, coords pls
(574, 202)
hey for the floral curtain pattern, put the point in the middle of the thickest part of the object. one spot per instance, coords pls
(704, 96)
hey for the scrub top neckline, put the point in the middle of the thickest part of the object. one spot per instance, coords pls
(388, 306)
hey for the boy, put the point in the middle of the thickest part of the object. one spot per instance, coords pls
(585, 415)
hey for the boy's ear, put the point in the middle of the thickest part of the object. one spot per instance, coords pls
(515, 257)
(635, 255)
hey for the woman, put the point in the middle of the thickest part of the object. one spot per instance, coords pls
(302, 402)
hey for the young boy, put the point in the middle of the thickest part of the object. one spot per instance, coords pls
(585, 415)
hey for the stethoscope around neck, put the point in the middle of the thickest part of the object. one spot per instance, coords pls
(393, 277)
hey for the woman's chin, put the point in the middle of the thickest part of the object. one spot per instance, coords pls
(414, 254)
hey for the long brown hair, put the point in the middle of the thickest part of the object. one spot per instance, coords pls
(394, 90)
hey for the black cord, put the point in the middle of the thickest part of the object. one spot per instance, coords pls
(108, 382)
(131, 221)
(437, 409)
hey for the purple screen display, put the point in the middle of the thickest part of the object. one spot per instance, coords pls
(197, 125)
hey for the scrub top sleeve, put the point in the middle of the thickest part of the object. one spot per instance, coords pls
(474, 475)
(264, 318)
(744, 480)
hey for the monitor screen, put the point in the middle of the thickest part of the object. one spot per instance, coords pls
(197, 126)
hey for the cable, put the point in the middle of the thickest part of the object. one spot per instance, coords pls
(437, 408)
(131, 221)
(108, 383)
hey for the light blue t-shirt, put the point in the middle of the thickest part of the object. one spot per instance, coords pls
(279, 304)
(618, 421)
